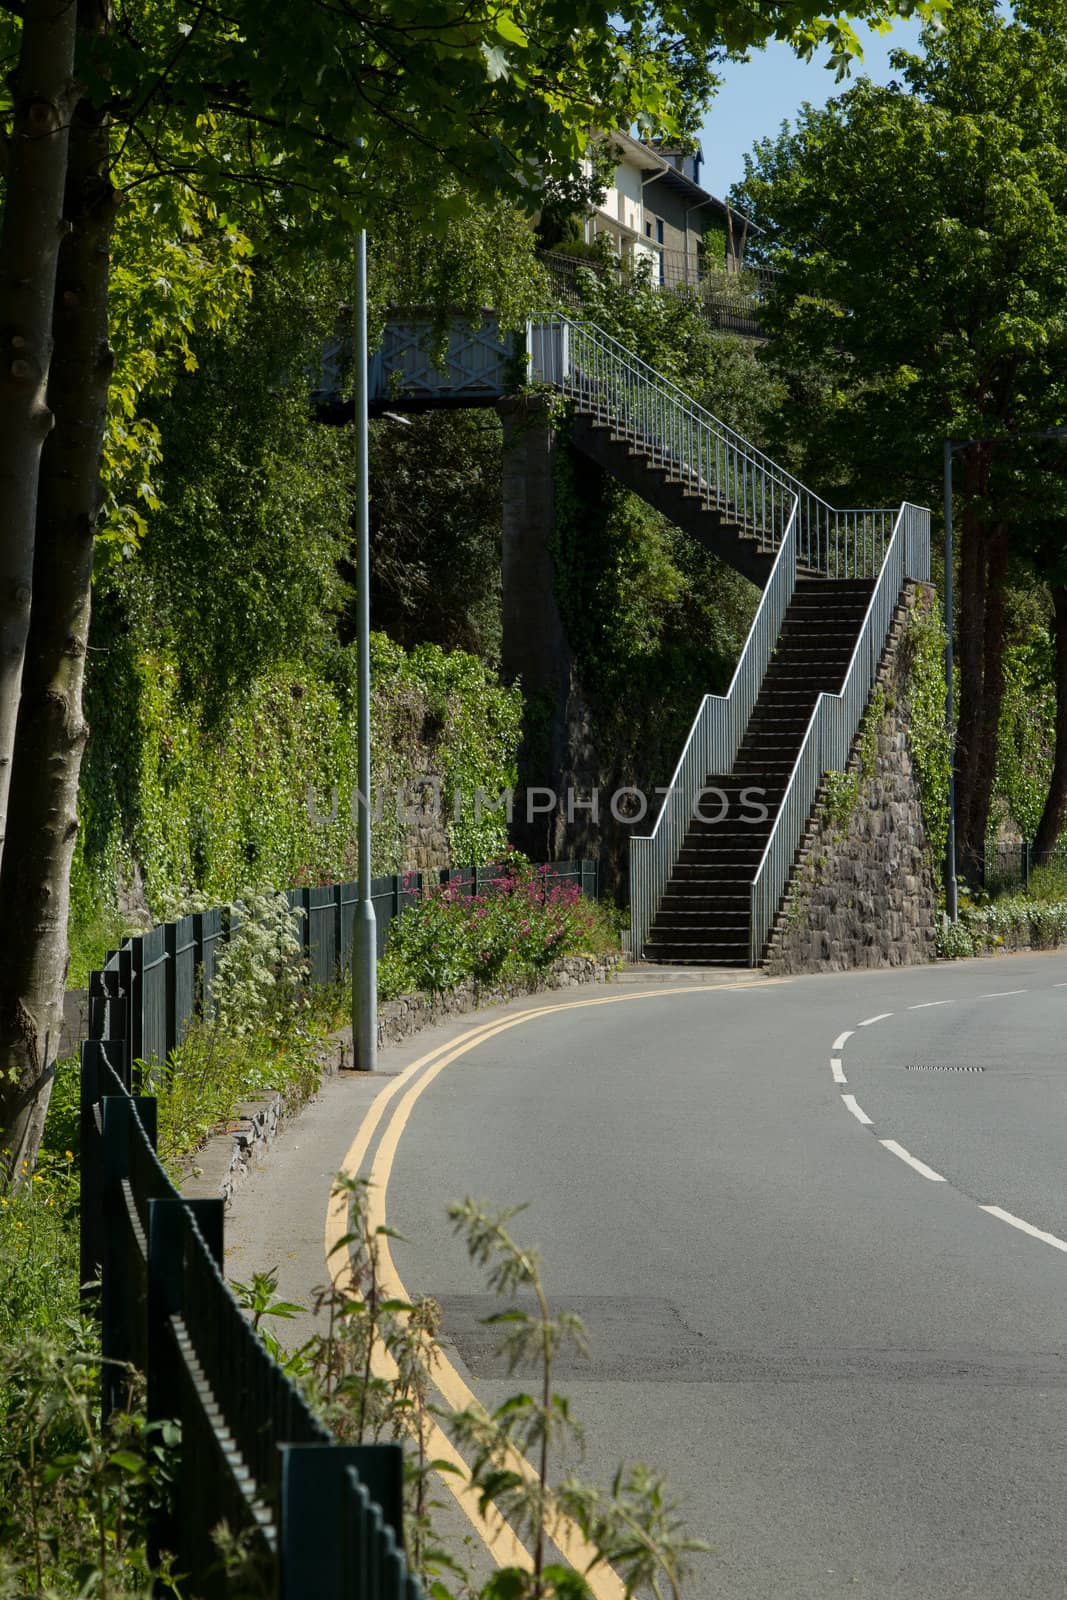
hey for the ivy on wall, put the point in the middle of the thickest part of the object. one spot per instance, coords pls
(176, 806)
(928, 740)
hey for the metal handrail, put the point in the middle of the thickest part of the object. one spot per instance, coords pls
(712, 461)
(711, 748)
(836, 720)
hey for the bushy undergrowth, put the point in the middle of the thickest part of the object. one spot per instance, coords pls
(260, 1033)
(1011, 923)
(509, 932)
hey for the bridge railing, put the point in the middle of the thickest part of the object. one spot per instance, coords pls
(836, 719)
(711, 748)
(724, 470)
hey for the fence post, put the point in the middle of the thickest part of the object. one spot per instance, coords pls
(170, 989)
(1026, 864)
(118, 1308)
(337, 930)
(95, 1055)
(315, 1511)
(135, 998)
(174, 1528)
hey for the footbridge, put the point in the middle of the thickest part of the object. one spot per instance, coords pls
(832, 582)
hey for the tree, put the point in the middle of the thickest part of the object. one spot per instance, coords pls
(299, 130)
(922, 233)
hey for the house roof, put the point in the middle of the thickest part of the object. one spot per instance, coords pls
(656, 168)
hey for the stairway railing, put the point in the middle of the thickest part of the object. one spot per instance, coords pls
(713, 461)
(712, 746)
(836, 720)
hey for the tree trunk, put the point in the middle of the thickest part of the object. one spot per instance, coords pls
(51, 733)
(30, 234)
(984, 767)
(970, 630)
(1051, 825)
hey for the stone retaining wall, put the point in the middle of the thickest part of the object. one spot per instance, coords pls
(864, 892)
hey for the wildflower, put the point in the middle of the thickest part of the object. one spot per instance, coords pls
(69, 1154)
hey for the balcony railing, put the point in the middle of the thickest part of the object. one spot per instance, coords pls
(730, 296)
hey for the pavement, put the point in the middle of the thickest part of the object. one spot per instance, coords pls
(816, 1228)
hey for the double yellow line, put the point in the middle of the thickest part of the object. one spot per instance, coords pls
(502, 1542)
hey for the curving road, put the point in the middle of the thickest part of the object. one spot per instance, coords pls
(817, 1232)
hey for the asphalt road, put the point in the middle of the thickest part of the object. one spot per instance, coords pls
(854, 1374)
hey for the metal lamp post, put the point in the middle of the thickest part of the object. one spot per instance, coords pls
(952, 897)
(364, 932)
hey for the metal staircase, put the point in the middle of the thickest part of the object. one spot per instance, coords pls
(707, 883)
(705, 916)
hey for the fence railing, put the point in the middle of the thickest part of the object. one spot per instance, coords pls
(710, 750)
(319, 1519)
(151, 987)
(314, 1517)
(712, 460)
(731, 298)
(836, 719)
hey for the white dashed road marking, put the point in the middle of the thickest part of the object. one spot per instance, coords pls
(1027, 1227)
(857, 1110)
(851, 1104)
(913, 1161)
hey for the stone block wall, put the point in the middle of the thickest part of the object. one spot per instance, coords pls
(864, 893)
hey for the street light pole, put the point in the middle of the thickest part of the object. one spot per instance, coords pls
(364, 933)
(951, 885)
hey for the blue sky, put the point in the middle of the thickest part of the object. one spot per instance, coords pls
(757, 96)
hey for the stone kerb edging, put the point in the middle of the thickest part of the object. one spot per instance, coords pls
(226, 1157)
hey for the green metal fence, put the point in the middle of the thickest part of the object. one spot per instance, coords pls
(151, 987)
(320, 1520)
(316, 1518)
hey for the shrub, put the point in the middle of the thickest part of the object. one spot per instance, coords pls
(508, 932)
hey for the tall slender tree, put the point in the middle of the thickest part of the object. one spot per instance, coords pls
(922, 231)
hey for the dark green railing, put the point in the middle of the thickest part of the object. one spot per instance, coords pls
(150, 988)
(318, 1520)
(315, 1518)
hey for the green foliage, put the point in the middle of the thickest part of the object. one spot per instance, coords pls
(509, 932)
(1025, 745)
(189, 807)
(238, 568)
(1049, 882)
(74, 1496)
(1010, 923)
(843, 789)
(261, 1033)
(180, 269)
(672, 333)
(842, 793)
(435, 485)
(654, 621)
(635, 1526)
(928, 741)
